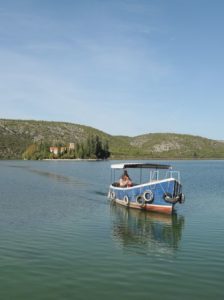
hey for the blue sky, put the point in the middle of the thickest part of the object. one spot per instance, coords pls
(127, 67)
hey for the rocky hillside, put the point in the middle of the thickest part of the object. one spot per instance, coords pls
(17, 135)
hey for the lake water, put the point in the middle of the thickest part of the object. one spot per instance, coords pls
(60, 238)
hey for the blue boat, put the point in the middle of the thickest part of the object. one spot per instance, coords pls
(157, 189)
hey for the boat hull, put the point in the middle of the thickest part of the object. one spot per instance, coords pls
(160, 196)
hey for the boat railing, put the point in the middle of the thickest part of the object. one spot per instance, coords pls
(153, 176)
(156, 175)
(173, 174)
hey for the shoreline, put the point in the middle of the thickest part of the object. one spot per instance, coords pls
(127, 159)
(113, 159)
(73, 159)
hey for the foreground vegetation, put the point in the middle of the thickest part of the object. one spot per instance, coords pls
(32, 140)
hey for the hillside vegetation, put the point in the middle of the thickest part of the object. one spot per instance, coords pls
(18, 136)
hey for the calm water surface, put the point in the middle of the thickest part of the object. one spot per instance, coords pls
(60, 238)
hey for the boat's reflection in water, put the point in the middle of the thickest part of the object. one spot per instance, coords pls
(145, 232)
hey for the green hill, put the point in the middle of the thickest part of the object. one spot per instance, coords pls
(17, 135)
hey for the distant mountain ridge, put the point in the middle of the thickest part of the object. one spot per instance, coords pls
(17, 135)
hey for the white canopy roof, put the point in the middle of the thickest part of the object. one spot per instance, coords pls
(140, 165)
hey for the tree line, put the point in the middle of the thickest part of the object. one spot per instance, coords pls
(92, 148)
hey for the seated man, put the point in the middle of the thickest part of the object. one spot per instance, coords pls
(125, 180)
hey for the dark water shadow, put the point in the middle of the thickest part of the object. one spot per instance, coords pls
(100, 193)
(146, 232)
(54, 176)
